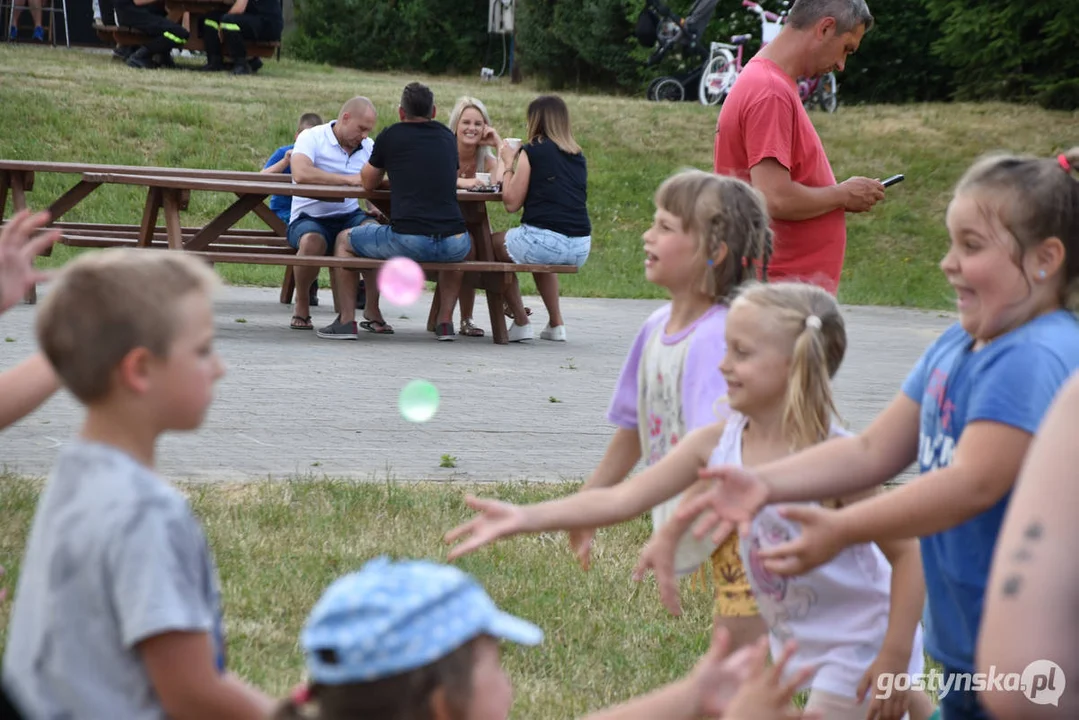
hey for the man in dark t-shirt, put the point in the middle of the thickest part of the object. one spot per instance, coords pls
(426, 225)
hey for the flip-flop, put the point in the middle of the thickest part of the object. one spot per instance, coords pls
(378, 327)
(303, 324)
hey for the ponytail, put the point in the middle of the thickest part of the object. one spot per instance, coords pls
(807, 419)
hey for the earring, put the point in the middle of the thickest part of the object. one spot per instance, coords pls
(1041, 274)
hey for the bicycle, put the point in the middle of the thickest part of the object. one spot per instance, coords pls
(725, 59)
(724, 64)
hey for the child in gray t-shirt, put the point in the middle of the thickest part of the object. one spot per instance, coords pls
(117, 609)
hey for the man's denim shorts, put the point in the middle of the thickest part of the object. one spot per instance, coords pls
(382, 243)
(535, 246)
(328, 227)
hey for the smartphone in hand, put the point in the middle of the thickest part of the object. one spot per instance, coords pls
(892, 180)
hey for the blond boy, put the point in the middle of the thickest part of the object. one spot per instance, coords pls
(117, 610)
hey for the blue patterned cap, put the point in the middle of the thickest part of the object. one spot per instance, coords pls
(392, 617)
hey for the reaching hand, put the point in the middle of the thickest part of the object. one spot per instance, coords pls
(862, 193)
(735, 497)
(821, 540)
(897, 704)
(765, 696)
(18, 248)
(580, 543)
(497, 520)
(658, 556)
(288, 157)
(717, 679)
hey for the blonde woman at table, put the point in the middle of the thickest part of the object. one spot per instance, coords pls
(476, 139)
(550, 182)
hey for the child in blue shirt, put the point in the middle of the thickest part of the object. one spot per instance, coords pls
(967, 412)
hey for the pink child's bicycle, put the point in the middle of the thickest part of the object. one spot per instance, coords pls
(725, 63)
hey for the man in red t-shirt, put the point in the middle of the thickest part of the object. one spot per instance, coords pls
(765, 136)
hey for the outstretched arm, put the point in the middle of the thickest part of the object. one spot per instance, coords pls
(590, 508)
(25, 387)
(1034, 575)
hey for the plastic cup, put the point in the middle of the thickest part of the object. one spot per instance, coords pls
(484, 178)
(401, 281)
(418, 401)
(514, 143)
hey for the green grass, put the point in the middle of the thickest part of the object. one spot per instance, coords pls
(62, 105)
(279, 544)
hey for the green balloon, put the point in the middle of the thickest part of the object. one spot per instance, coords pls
(418, 401)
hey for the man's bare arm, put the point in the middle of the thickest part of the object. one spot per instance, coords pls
(789, 200)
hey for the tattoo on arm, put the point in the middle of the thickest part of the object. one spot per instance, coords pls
(1023, 554)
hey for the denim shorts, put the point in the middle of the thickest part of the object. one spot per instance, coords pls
(381, 242)
(328, 227)
(535, 246)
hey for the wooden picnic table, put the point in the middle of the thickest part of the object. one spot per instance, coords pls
(168, 190)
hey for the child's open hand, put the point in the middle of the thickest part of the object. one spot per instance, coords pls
(497, 520)
(658, 556)
(734, 498)
(18, 248)
(764, 696)
(717, 678)
(821, 540)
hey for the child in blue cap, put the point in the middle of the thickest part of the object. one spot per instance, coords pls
(416, 640)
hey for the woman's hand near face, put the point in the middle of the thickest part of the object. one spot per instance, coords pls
(490, 137)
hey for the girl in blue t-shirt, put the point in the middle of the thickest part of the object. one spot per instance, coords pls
(967, 412)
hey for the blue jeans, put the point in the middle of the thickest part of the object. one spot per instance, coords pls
(961, 704)
(381, 242)
(531, 245)
(328, 227)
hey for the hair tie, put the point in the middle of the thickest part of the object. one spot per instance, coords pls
(1063, 160)
(813, 322)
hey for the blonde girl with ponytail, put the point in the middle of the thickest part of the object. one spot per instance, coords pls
(855, 619)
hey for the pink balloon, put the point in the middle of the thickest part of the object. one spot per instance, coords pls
(401, 281)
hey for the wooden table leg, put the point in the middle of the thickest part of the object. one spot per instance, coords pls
(228, 217)
(174, 232)
(5, 185)
(479, 227)
(149, 217)
(288, 286)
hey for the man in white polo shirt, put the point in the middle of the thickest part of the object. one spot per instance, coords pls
(330, 154)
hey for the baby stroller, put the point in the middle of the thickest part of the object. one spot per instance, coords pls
(658, 25)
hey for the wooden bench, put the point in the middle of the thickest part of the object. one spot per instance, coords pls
(131, 37)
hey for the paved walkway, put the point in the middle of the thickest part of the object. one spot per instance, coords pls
(292, 404)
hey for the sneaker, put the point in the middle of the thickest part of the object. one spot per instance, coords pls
(241, 68)
(558, 334)
(140, 59)
(338, 330)
(255, 63)
(39, 34)
(520, 333)
(444, 332)
(123, 52)
(13, 34)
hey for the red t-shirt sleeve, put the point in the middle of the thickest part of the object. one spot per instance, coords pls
(769, 129)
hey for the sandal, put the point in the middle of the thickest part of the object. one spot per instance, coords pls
(468, 329)
(378, 327)
(509, 313)
(299, 322)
